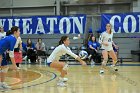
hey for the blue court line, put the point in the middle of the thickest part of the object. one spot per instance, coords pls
(54, 76)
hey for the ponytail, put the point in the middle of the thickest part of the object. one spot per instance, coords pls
(14, 29)
(63, 38)
(60, 42)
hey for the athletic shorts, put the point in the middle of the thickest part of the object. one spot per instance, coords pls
(49, 64)
(1, 50)
(4, 61)
(107, 50)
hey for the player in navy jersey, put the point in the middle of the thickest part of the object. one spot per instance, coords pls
(7, 43)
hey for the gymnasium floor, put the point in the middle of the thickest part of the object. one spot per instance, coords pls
(42, 79)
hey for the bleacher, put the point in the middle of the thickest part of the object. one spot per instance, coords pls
(125, 41)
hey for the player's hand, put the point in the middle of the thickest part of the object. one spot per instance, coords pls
(20, 51)
(83, 63)
(96, 50)
(14, 67)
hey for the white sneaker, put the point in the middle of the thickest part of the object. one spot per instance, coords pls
(63, 79)
(5, 86)
(92, 64)
(18, 68)
(101, 71)
(114, 67)
(89, 56)
(61, 84)
(25, 58)
(66, 67)
(40, 60)
(1, 86)
(29, 61)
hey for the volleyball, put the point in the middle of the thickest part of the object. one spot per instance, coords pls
(83, 54)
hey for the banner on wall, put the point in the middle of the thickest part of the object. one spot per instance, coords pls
(46, 24)
(122, 23)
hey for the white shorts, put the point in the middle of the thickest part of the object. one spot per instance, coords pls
(107, 49)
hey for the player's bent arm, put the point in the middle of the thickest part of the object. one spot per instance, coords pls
(13, 61)
(101, 39)
(91, 47)
(115, 45)
(68, 51)
(11, 54)
(20, 44)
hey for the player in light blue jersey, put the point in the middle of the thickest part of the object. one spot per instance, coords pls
(7, 43)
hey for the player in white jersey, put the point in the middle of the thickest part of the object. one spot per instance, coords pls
(18, 52)
(53, 60)
(106, 41)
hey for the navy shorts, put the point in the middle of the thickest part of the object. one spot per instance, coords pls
(49, 64)
(4, 61)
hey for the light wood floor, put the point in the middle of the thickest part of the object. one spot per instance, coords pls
(42, 79)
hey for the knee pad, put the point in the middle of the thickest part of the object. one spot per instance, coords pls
(115, 61)
(104, 62)
(4, 70)
(66, 67)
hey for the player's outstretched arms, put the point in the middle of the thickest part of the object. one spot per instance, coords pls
(81, 61)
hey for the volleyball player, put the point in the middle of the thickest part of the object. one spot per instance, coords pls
(53, 60)
(106, 41)
(2, 33)
(7, 43)
(18, 52)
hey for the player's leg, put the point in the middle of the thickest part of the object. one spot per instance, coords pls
(62, 68)
(59, 67)
(0, 59)
(114, 59)
(3, 72)
(0, 71)
(105, 58)
(98, 58)
(92, 57)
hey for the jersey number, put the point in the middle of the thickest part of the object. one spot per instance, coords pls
(109, 40)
